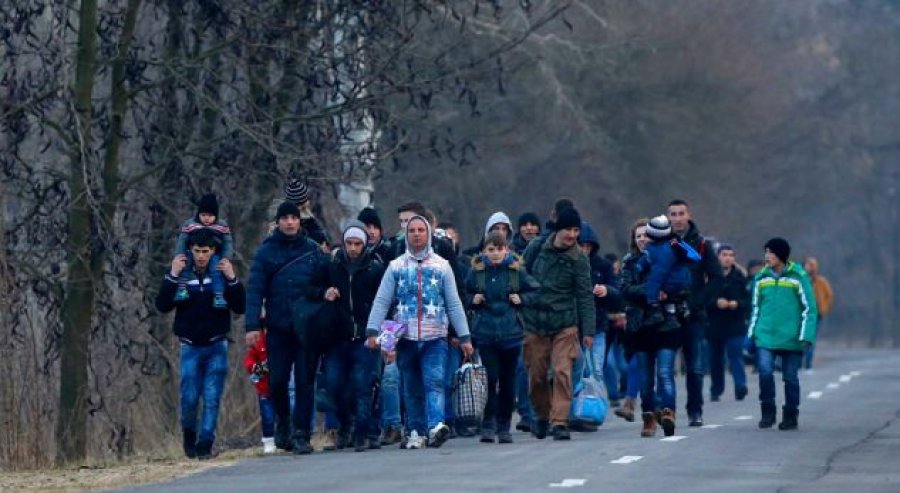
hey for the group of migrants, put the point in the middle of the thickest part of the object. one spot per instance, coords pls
(537, 305)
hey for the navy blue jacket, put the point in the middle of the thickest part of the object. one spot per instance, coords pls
(282, 273)
(497, 319)
(197, 322)
(667, 272)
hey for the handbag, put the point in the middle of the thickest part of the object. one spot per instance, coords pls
(589, 404)
(470, 391)
(310, 321)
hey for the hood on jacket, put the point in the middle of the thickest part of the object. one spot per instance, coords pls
(498, 218)
(588, 236)
(428, 248)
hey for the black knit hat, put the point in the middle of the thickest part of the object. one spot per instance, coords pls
(568, 218)
(528, 218)
(296, 191)
(779, 247)
(287, 208)
(369, 216)
(208, 204)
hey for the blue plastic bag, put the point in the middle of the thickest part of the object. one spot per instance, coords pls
(589, 403)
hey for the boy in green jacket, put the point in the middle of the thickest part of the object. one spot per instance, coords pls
(783, 323)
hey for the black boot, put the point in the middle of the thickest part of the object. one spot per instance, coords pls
(189, 442)
(768, 415)
(283, 434)
(788, 419)
(561, 432)
(541, 427)
(300, 443)
(204, 450)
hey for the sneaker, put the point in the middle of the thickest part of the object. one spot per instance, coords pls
(330, 441)
(204, 450)
(668, 422)
(583, 426)
(412, 441)
(504, 437)
(695, 420)
(740, 393)
(182, 294)
(463, 430)
(391, 435)
(541, 427)
(268, 445)
(189, 443)
(438, 435)
(219, 302)
(524, 424)
(560, 432)
(487, 435)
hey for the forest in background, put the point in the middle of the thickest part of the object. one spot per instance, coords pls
(770, 118)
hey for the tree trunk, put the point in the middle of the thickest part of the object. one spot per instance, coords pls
(71, 427)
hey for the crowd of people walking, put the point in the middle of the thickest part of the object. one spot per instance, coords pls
(370, 330)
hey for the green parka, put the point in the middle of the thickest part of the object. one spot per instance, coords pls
(784, 309)
(565, 298)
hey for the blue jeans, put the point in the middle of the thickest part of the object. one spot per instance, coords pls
(203, 373)
(657, 380)
(693, 343)
(350, 372)
(598, 358)
(422, 365)
(390, 396)
(718, 349)
(266, 416)
(613, 370)
(790, 365)
(454, 361)
(523, 402)
(634, 378)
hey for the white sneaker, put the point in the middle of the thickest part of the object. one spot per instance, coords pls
(414, 441)
(438, 435)
(268, 445)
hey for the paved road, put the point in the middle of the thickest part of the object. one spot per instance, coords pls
(849, 441)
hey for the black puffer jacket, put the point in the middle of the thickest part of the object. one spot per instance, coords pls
(706, 275)
(197, 322)
(358, 283)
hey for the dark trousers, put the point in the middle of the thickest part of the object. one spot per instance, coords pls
(285, 353)
(719, 348)
(694, 338)
(500, 360)
(790, 365)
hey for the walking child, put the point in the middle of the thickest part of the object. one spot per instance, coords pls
(256, 362)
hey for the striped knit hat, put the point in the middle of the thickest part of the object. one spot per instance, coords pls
(659, 227)
(296, 191)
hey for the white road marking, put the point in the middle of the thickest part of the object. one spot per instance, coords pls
(569, 483)
(815, 395)
(627, 459)
(856, 373)
(844, 378)
(673, 438)
(745, 417)
(711, 427)
(833, 385)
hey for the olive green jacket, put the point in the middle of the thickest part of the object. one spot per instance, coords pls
(566, 296)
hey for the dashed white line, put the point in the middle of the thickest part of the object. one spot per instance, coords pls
(673, 438)
(833, 385)
(569, 483)
(711, 427)
(815, 395)
(627, 459)
(844, 378)
(745, 417)
(856, 373)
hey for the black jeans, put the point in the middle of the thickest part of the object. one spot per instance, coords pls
(285, 352)
(694, 333)
(500, 359)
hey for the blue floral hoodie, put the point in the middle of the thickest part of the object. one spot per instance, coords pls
(423, 285)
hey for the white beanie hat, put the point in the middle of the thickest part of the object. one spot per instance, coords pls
(659, 227)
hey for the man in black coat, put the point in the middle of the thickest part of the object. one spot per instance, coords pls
(352, 363)
(202, 329)
(727, 327)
